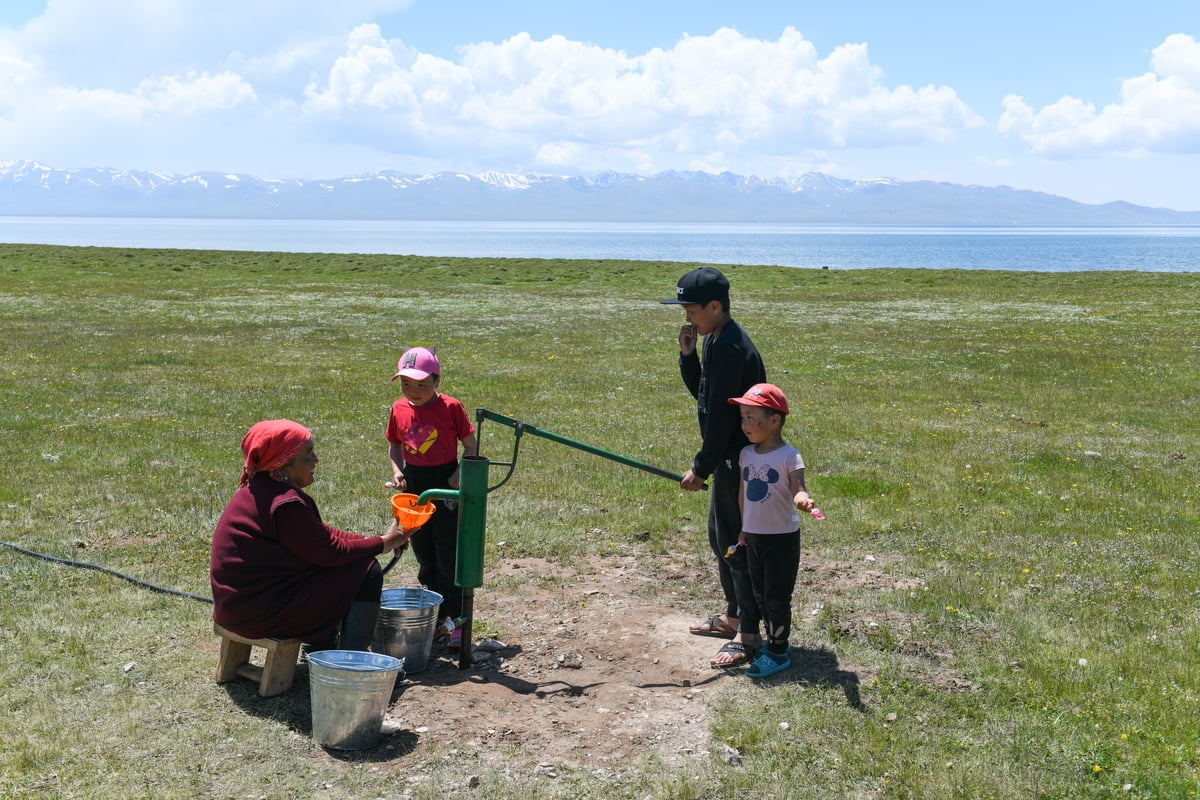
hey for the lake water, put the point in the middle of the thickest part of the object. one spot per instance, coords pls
(1050, 249)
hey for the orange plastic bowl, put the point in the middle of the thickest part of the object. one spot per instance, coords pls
(409, 513)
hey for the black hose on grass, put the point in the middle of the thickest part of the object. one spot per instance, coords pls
(99, 568)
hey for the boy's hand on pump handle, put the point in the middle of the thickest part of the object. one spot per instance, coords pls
(692, 482)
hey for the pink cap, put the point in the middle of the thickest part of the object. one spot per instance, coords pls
(418, 363)
(764, 395)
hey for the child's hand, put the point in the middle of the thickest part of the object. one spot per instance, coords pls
(733, 548)
(397, 482)
(803, 502)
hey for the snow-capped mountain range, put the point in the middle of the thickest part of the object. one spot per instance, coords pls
(31, 189)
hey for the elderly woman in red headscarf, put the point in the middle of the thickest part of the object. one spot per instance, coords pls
(276, 568)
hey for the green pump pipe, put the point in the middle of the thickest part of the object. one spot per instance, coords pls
(482, 413)
(471, 495)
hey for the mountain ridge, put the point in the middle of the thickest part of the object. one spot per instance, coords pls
(28, 188)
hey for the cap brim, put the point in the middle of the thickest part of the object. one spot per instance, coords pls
(415, 374)
(741, 401)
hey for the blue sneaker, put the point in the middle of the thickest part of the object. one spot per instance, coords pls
(767, 663)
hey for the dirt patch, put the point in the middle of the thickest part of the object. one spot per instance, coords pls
(591, 672)
(595, 669)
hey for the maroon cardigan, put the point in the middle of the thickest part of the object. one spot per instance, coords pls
(278, 570)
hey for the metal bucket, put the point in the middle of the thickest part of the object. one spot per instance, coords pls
(406, 625)
(350, 694)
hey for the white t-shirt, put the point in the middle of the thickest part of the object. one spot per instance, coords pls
(767, 505)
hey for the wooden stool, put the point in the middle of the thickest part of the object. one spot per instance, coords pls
(273, 677)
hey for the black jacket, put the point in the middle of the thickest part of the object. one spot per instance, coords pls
(730, 365)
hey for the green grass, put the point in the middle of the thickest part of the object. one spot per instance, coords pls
(1025, 444)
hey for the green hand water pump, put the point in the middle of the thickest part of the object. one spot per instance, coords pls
(471, 495)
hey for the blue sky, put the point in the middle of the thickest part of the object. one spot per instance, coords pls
(1096, 101)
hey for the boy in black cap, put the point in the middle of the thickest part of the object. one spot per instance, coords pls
(727, 366)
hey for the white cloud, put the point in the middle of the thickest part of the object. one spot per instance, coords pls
(368, 77)
(1157, 112)
(15, 75)
(171, 97)
(556, 101)
(175, 36)
(1179, 56)
(195, 94)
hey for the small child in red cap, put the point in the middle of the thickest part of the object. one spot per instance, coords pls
(773, 491)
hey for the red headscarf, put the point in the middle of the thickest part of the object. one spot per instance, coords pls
(271, 444)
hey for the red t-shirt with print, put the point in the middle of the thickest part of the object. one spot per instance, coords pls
(429, 434)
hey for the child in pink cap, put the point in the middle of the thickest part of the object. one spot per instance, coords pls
(424, 430)
(772, 492)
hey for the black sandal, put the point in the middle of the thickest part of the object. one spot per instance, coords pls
(740, 652)
(714, 626)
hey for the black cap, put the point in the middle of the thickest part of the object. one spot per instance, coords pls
(701, 286)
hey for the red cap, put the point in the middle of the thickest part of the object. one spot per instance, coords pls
(764, 395)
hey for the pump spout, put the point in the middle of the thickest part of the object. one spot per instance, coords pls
(437, 494)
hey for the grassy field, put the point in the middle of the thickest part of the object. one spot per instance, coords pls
(1026, 444)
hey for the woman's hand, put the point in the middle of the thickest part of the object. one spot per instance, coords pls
(395, 536)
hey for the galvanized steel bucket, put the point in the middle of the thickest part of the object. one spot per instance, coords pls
(350, 693)
(406, 625)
